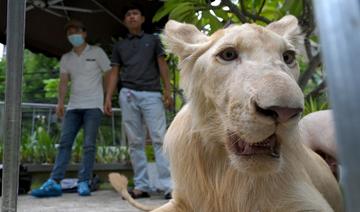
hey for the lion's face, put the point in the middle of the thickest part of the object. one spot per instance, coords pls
(248, 75)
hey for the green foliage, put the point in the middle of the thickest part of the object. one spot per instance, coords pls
(112, 154)
(2, 78)
(38, 148)
(293, 7)
(178, 96)
(41, 148)
(313, 105)
(51, 87)
(149, 151)
(77, 149)
(201, 13)
(37, 67)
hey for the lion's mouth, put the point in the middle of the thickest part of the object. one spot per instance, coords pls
(270, 146)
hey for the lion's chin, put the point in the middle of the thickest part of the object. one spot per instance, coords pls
(256, 158)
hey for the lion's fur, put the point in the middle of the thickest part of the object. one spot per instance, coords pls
(205, 180)
(319, 131)
(223, 100)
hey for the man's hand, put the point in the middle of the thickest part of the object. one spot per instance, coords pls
(168, 101)
(60, 110)
(107, 107)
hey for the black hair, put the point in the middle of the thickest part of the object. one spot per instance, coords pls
(132, 6)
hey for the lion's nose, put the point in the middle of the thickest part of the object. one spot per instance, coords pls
(280, 114)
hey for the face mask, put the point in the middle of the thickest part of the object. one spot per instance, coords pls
(76, 39)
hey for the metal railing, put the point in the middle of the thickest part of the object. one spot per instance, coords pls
(39, 114)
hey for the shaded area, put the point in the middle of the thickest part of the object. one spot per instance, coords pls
(45, 20)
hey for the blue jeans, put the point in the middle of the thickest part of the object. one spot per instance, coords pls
(74, 119)
(139, 108)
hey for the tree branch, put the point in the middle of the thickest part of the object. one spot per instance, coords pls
(308, 48)
(313, 64)
(306, 21)
(234, 9)
(261, 7)
(243, 15)
(254, 17)
(316, 91)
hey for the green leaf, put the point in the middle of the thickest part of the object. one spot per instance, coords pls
(271, 13)
(181, 11)
(293, 7)
(215, 24)
(222, 14)
(165, 10)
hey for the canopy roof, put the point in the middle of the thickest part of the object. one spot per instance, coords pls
(45, 20)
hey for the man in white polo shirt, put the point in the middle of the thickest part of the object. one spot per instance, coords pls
(84, 66)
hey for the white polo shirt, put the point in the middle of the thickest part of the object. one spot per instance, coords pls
(86, 73)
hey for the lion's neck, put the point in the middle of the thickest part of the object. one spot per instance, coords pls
(202, 169)
(212, 173)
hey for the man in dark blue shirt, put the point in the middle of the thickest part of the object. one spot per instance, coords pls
(141, 59)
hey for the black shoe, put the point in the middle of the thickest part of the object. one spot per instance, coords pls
(167, 196)
(138, 194)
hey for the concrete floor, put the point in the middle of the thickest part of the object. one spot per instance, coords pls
(99, 201)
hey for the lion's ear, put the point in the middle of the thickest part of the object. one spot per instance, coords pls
(182, 39)
(288, 28)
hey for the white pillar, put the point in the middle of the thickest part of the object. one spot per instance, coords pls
(12, 112)
(339, 25)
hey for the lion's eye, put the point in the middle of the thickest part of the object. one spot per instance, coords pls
(289, 57)
(228, 54)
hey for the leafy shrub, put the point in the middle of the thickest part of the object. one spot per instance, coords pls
(313, 105)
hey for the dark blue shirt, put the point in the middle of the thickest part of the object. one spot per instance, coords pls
(137, 57)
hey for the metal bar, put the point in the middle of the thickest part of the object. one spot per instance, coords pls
(123, 141)
(75, 9)
(52, 12)
(1, 123)
(339, 25)
(33, 121)
(113, 128)
(66, 12)
(12, 135)
(49, 121)
(42, 105)
(54, 2)
(48, 3)
(30, 8)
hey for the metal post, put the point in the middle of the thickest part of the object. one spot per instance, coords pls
(113, 129)
(49, 119)
(339, 25)
(33, 121)
(12, 122)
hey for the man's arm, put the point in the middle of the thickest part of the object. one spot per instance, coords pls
(111, 79)
(64, 79)
(164, 73)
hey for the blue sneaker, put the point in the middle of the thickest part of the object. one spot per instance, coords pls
(49, 189)
(83, 188)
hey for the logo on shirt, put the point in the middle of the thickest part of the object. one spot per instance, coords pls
(90, 59)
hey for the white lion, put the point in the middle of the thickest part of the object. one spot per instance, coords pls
(318, 133)
(236, 146)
